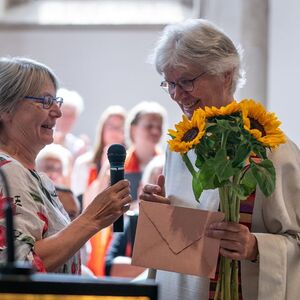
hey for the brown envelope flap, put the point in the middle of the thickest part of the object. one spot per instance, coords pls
(179, 227)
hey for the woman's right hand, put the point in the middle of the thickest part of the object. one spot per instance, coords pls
(106, 208)
(155, 192)
(109, 205)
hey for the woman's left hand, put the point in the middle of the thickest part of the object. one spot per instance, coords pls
(237, 242)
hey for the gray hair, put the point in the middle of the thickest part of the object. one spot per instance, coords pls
(20, 77)
(200, 43)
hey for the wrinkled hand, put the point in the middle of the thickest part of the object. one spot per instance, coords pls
(237, 242)
(155, 192)
(109, 205)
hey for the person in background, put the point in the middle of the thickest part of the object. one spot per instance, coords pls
(44, 234)
(143, 130)
(118, 256)
(202, 67)
(144, 127)
(70, 202)
(55, 160)
(71, 110)
(110, 130)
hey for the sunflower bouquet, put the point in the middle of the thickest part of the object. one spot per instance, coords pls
(231, 145)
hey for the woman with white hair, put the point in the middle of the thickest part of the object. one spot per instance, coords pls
(202, 67)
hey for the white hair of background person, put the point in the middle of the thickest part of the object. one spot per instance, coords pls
(144, 108)
(18, 82)
(71, 98)
(55, 151)
(217, 55)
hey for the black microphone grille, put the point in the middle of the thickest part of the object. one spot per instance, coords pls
(116, 154)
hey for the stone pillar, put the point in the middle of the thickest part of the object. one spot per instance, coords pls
(246, 23)
(254, 38)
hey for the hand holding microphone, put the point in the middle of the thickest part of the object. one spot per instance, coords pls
(116, 154)
(110, 205)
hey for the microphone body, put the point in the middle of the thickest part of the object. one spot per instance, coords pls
(116, 154)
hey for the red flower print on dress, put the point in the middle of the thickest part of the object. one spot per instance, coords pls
(38, 264)
(45, 219)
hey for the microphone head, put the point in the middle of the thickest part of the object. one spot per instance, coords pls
(116, 154)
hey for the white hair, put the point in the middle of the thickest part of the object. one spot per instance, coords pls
(55, 151)
(71, 98)
(197, 42)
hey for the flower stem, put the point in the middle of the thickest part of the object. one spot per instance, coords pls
(188, 164)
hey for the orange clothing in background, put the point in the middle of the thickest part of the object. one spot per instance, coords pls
(99, 244)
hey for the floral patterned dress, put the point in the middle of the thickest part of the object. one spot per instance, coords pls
(38, 214)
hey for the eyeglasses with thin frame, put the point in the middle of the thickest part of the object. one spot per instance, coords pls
(47, 101)
(185, 85)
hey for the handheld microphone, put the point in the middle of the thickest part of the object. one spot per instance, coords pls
(116, 154)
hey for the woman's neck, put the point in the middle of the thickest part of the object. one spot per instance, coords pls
(22, 154)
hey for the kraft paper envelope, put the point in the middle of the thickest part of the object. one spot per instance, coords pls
(173, 238)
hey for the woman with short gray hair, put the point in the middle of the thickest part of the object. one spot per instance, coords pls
(43, 235)
(202, 67)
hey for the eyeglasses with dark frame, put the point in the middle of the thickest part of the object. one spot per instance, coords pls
(47, 101)
(185, 85)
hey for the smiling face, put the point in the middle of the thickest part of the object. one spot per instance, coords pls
(30, 125)
(209, 90)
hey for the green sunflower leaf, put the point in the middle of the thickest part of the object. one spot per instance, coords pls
(242, 153)
(247, 185)
(264, 173)
(197, 186)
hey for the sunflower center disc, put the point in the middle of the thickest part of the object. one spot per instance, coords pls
(190, 134)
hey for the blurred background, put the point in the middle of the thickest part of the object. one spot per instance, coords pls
(100, 48)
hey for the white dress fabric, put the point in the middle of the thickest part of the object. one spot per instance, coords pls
(275, 219)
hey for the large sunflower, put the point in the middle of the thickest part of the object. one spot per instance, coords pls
(188, 133)
(229, 109)
(263, 125)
